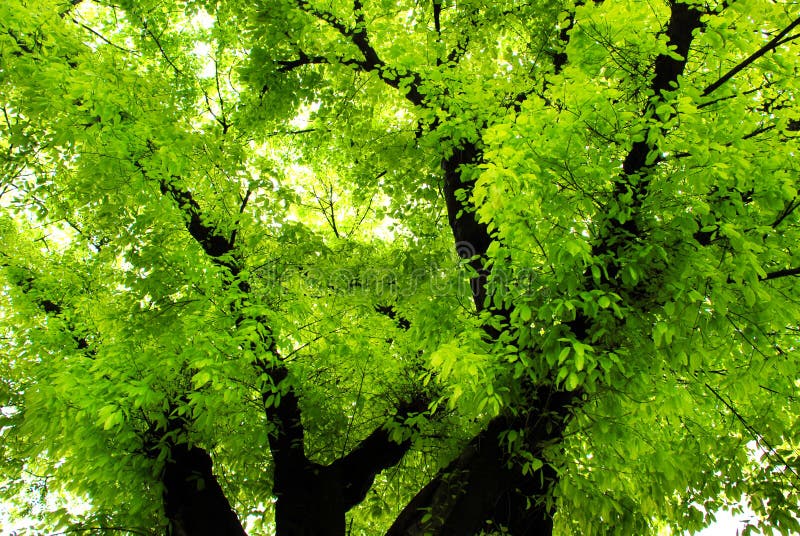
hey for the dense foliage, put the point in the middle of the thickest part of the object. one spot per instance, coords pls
(231, 299)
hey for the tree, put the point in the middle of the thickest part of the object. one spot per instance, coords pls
(231, 301)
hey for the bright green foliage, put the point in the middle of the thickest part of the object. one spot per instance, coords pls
(322, 166)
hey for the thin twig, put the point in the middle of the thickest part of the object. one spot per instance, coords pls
(104, 38)
(759, 438)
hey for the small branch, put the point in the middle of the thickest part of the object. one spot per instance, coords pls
(224, 121)
(304, 59)
(353, 417)
(25, 47)
(711, 102)
(306, 6)
(789, 272)
(366, 210)
(771, 45)
(157, 41)
(791, 206)
(756, 132)
(407, 81)
(790, 38)
(325, 206)
(245, 199)
(332, 207)
(104, 38)
(772, 451)
(290, 132)
(102, 530)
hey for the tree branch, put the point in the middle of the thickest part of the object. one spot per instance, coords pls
(759, 438)
(304, 59)
(632, 186)
(771, 45)
(213, 243)
(406, 81)
(26, 283)
(684, 19)
(242, 206)
(157, 41)
(280, 404)
(391, 312)
(358, 468)
(437, 13)
(789, 272)
(375, 453)
(790, 207)
(104, 38)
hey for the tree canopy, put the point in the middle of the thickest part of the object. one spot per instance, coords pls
(309, 267)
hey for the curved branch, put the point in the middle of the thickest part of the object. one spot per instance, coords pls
(405, 81)
(359, 468)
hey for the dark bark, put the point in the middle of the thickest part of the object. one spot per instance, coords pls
(313, 500)
(479, 490)
(631, 188)
(483, 489)
(471, 237)
(194, 502)
(479, 486)
(309, 500)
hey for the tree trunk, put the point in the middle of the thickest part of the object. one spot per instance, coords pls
(193, 499)
(481, 490)
(310, 502)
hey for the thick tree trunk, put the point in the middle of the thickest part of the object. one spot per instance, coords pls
(310, 502)
(312, 499)
(193, 499)
(480, 490)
